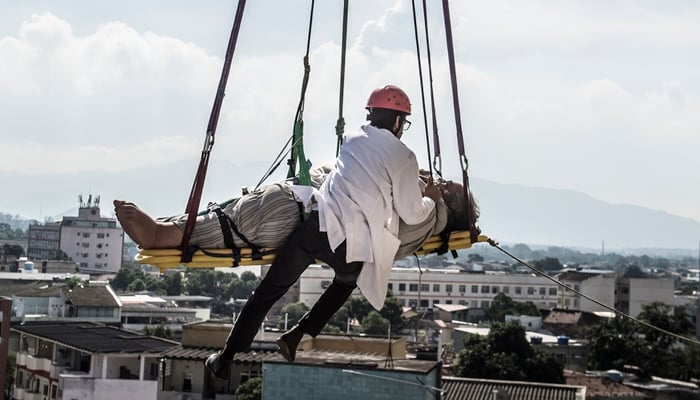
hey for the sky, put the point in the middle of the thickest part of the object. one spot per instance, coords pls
(600, 97)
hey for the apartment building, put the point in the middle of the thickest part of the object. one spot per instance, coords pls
(86, 360)
(93, 242)
(426, 288)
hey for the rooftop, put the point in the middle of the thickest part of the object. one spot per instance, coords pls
(95, 338)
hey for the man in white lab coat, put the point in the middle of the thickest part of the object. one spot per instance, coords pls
(353, 226)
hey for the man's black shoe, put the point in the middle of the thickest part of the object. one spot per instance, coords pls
(288, 343)
(218, 366)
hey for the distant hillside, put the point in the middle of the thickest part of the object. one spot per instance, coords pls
(510, 213)
(519, 214)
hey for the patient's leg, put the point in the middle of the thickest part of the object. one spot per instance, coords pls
(144, 230)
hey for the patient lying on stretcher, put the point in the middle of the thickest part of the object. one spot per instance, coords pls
(266, 216)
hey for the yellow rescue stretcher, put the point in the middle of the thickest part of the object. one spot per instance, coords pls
(214, 258)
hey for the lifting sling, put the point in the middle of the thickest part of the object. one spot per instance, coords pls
(232, 256)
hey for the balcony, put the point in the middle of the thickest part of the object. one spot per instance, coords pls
(25, 394)
(38, 364)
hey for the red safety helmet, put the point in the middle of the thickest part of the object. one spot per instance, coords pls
(389, 97)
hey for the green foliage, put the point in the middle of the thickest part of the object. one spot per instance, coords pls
(11, 366)
(505, 354)
(474, 257)
(173, 284)
(548, 264)
(9, 233)
(294, 312)
(158, 331)
(633, 271)
(250, 390)
(14, 250)
(358, 308)
(375, 324)
(503, 305)
(74, 281)
(243, 287)
(620, 341)
(131, 278)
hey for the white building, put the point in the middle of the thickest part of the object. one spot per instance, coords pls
(93, 242)
(599, 285)
(424, 290)
(84, 360)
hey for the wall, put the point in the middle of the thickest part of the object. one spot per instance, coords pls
(294, 381)
(80, 388)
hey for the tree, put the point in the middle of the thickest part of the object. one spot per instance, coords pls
(173, 284)
(137, 285)
(14, 250)
(506, 354)
(250, 390)
(633, 271)
(621, 341)
(158, 331)
(375, 324)
(10, 374)
(503, 305)
(474, 257)
(74, 281)
(548, 264)
(294, 312)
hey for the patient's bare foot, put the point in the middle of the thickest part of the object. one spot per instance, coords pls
(140, 227)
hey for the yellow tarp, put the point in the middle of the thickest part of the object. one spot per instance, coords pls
(170, 258)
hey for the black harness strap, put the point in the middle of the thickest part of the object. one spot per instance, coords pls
(228, 226)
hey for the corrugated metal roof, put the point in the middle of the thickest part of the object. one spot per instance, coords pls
(483, 389)
(95, 338)
(92, 296)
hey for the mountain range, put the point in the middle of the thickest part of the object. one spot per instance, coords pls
(509, 213)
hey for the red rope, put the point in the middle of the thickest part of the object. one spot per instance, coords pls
(196, 193)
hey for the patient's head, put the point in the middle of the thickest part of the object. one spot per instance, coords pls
(454, 196)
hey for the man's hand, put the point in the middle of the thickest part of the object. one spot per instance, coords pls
(432, 191)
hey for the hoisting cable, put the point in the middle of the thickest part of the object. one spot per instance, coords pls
(198, 185)
(340, 124)
(422, 89)
(437, 158)
(473, 229)
(297, 139)
(607, 307)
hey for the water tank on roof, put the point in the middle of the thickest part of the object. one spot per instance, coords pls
(563, 340)
(614, 375)
(28, 266)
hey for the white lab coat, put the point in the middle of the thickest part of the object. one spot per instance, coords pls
(373, 184)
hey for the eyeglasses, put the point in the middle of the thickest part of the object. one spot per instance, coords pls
(406, 124)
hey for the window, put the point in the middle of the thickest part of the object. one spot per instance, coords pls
(402, 287)
(85, 245)
(485, 304)
(530, 290)
(448, 301)
(391, 286)
(100, 235)
(552, 291)
(86, 234)
(495, 289)
(576, 304)
(436, 302)
(424, 287)
(436, 287)
(448, 288)
(475, 289)
(518, 290)
(577, 288)
(485, 288)
(412, 287)
(506, 289)
(543, 291)
(462, 288)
